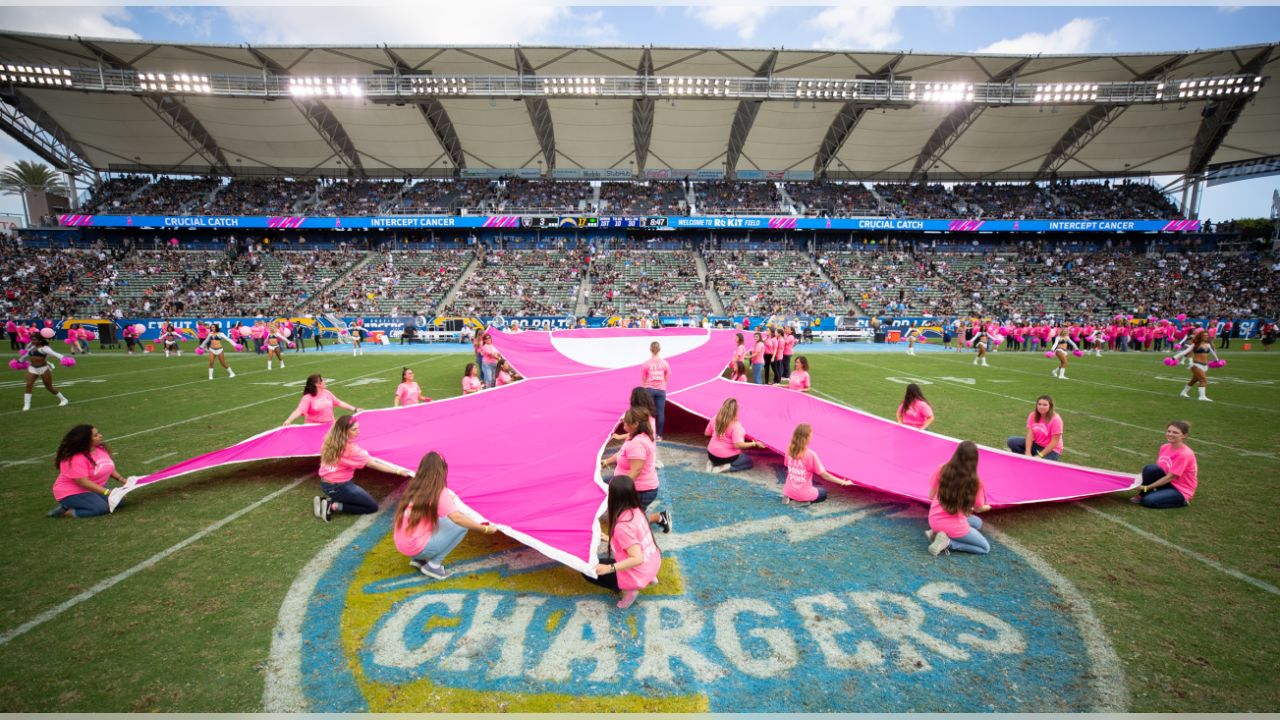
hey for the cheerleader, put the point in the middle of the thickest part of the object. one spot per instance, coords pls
(212, 346)
(357, 338)
(912, 335)
(1199, 351)
(409, 392)
(169, 337)
(274, 342)
(1098, 338)
(1058, 346)
(37, 355)
(980, 341)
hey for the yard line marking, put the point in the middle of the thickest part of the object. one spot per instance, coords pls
(117, 438)
(110, 582)
(1189, 553)
(1104, 418)
(159, 457)
(7, 463)
(1127, 450)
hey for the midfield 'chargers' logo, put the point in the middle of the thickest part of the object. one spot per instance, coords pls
(760, 607)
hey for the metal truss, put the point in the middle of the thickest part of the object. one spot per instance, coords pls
(539, 113)
(172, 112)
(435, 115)
(1219, 118)
(745, 117)
(321, 119)
(954, 125)
(27, 123)
(642, 114)
(842, 125)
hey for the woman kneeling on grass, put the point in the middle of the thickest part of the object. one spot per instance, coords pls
(430, 524)
(956, 492)
(631, 539)
(802, 465)
(340, 457)
(1172, 481)
(84, 463)
(728, 440)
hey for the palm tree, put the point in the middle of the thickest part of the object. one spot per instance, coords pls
(23, 177)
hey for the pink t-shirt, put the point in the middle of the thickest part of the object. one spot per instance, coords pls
(654, 373)
(771, 346)
(471, 384)
(640, 451)
(631, 529)
(953, 524)
(409, 393)
(737, 376)
(916, 415)
(757, 353)
(1042, 432)
(98, 470)
(740, 354)
(489, 354)
(504, 378)
(800, 472)
(789, 344)
(411, 541)
(799, 380)
(353, 458)
(722, 446)
(1182, 464)
(317, 408)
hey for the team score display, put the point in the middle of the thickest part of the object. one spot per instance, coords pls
(542, 221)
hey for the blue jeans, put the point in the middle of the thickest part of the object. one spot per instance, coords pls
(1019, 445)
(488, 373)
(973, 542)
(1165, 497)
(646, 498)
(85, 504)
(659, 398)
(756, 370)
(737, 463)
(353, 498)
(446, 537)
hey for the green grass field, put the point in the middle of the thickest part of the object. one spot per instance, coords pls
(1188, 598)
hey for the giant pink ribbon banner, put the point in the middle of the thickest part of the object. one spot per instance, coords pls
(526, 456)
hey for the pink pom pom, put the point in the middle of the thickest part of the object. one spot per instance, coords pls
(286, 332)
(139, 328)
(1048, 353)
(1182, 317)
(246, 332)
(1217, 363)
(291, 346)
(239, 347)
(922, 340)
(68, 362)
(70, 341)
(1078, 353)
(17, 365)
(199, 351)
(1170, 361)
(47, 333)
(48, 323)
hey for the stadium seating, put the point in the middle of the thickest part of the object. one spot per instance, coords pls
(641, 283)
(521, 282)
(394, 283)
(770, 283)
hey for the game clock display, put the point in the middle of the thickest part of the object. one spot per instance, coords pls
(542, 222)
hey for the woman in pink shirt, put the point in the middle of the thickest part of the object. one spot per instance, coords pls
(631, 539)
(757, 360)
(1171, 481)
(317, 403)
(800, 379)
(728, 440)
(504, 376)
(738, 372)
(1044, 432)
(956, 493)
(429, 523)
(340, 457)
(789, 341)
(654, 374)
(739, 351)
(802, 464)
(915, 411)
(637, 459)
(409, 392)
(471, 382)
(84, 464)
(489, 357)
(770, 350)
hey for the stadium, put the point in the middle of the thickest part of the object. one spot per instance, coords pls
(477, 252)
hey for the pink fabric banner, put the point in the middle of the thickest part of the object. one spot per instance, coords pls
(881, 454)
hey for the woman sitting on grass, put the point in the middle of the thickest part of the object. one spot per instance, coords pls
(631, 539)
(1171, 481)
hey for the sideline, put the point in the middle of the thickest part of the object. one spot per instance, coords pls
(110, 582)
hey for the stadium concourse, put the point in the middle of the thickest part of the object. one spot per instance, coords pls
(995, 480)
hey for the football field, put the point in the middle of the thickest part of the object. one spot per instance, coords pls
(221, 592)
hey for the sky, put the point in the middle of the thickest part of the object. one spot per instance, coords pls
(1097, 28)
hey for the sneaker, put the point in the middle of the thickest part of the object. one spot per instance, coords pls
(63, 401)
(416, 564)
(327, 505)
(940, 542)
(433, 570)
(230, 374)
(721, 468)
(57, 512)
(929, 533)
(664, 521)
(1205, 399)
(317, 507)
(709, 467)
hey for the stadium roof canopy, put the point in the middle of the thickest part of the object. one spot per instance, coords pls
(110, 105)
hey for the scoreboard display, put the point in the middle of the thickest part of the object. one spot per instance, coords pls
(587, 223)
